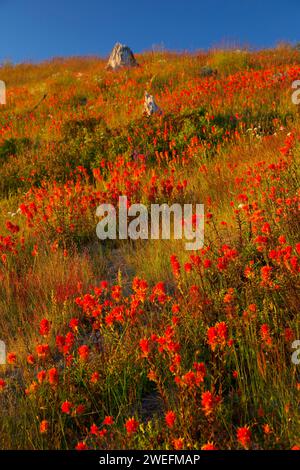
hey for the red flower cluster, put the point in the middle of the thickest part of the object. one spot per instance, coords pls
(217, 336)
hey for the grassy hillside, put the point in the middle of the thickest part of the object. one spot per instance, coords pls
(141, 344)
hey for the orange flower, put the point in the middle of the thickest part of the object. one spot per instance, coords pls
(265, 273)
(32, 388)
(208, 402)
(35, 250)
(83, 352)
(94, 377)
(31, 359)
(11, 358)
(252, 308)
(209, 446)
(229, 296)
(152, 376)
(41, 376)
(267, 429)
(178, 443)
(44, 426)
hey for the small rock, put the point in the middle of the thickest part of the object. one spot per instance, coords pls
(150, 107)
(2, 92)
(121, 56)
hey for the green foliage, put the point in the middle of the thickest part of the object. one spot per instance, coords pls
(13, 147)
(229, 61)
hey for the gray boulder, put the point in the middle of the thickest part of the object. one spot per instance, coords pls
(121, 56)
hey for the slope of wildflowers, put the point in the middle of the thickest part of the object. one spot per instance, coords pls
(122, 344)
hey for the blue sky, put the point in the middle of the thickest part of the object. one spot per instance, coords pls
(38, 29)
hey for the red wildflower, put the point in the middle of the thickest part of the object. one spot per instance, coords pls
(116, 293)
(108, 421)
(60, 342)
(32, 388)
(244, 436)
(282, 240)
(34, 251)
(207, 263)
(2, 384)
(229, 296)
(208, 402)
(41, 376)
(145, 347)
(209, 446)
(152, 376)
(31, 359)
(83, 352)
(68, 342)
(66, 407)
(217, 335)
(178, 443)
(170, 418)
(11, 227)
(131, 426)
(265, 334)
(80, 409)
(267, 429)
(94, 429)
(44, 327)
(44, 426)
(74, 322)
(187, 267)
(248, 271)
(53, 376)
(81, 446)
(200, 372)
(175, 265)
(11, 358)
(266, 228)
(94, 377)
(265, 273)
(288, 335)
(42, 350)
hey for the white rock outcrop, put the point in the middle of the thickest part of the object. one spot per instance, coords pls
(150, 107)
(121, 56)
(2, 92)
